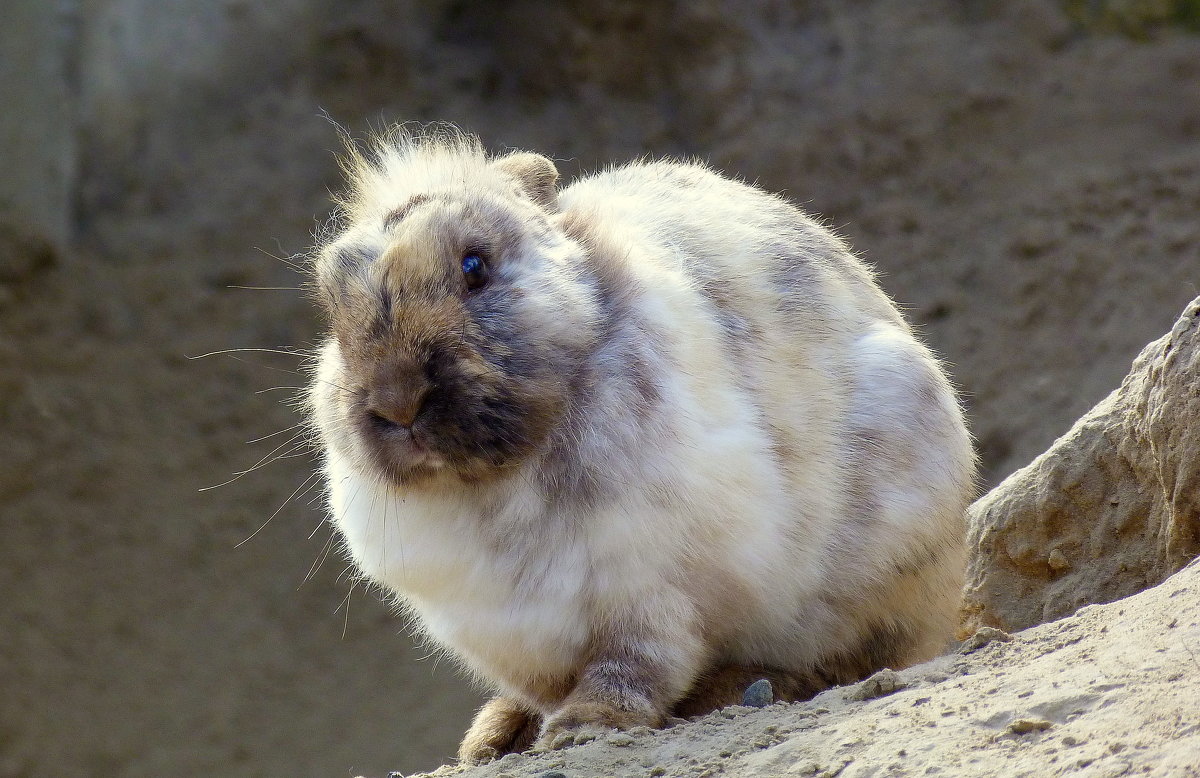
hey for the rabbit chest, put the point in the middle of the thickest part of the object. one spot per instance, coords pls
(510, 585)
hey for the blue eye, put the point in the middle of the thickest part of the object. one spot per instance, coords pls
(475, 271)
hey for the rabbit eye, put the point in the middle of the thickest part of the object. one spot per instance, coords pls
(475, 271)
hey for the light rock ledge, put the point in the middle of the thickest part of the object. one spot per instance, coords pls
(1111, 508)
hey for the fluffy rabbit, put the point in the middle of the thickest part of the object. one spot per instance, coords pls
(626, 447)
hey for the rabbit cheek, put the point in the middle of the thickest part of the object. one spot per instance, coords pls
(491, 427)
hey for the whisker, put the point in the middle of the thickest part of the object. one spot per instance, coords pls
(335, 385)
(320, 560)
(279, 388)
(267, 288)
(299, 451)
(273, 434)
(289, 261)
(306, 484)
(263, 367)
(266, 460)
(346, 604)
(288, 352)
(321, 523)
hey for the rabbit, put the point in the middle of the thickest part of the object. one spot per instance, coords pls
(624, 448)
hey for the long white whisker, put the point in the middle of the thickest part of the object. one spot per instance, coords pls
(279, 388)
(346, 604)
(273, 434)
(320, 560)
(267, 288)
(306, 484)
(290, 353)
(289, 261)
(266, 460)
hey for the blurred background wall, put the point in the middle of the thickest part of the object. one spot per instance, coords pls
(1026, 176)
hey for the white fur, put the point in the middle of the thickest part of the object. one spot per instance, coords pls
(707, 529)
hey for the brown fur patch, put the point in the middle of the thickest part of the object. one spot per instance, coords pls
(625, 360)
(741, 332)
(619, 685)
(535, 175)
(725, 685)
(501, 727)
(395, 217)
(883, 645)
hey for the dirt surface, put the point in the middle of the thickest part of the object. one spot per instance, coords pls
(1109, 691)
(1028, 187)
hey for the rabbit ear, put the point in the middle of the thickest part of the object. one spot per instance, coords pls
(535, 174)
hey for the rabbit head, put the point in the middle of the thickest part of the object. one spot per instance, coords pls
(460, 314)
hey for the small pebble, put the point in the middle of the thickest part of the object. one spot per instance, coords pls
(758, 694)
(881, 684)
(552, 774)
(1024, 726)
(982, 637)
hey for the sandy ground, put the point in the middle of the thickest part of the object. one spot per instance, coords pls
(1110, 691)
(1027, 187)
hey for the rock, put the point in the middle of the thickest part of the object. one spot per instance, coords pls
(880, 684)
(982, 637)
(1025, 726)
(1058, 560)
(1112, 508)
(758, 694)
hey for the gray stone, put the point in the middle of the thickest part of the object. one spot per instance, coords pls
(759, 694)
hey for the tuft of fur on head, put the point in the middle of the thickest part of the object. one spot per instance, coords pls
(408, 159)
(404, 160)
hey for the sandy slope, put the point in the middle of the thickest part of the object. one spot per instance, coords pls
(1112, 690)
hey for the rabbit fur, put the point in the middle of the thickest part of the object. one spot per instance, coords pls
(678, 439)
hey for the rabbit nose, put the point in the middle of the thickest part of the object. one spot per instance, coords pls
(398, 399)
